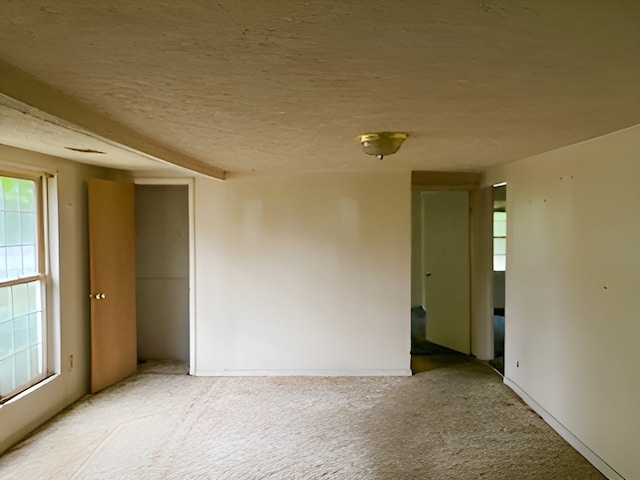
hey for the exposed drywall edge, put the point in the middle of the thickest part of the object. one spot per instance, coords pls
(303, 373)
(27, 89)
(571, 439)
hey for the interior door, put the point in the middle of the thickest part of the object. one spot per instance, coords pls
(445, 249)
(112, 282)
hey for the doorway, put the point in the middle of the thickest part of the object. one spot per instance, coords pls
(440, 312)
(163, 271)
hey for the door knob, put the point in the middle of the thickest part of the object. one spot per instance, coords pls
(428, 274)
(98, 296)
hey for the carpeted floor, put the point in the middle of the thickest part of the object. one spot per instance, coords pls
(458, 422)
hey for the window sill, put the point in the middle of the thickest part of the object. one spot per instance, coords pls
(30, 390)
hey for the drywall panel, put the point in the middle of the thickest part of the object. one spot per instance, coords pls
(572, 290)
(162, 272)
(303, 274)
(70, 284)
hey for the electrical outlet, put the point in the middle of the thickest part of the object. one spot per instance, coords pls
(71, 362)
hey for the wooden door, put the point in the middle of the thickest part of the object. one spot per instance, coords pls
(445, 250)
(112, 282)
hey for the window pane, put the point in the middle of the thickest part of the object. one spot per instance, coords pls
(21, 336)
(6, 308)
(499, 224)
(499, 246)
(35, 300)
(20, 295)
(3, 264)
(21, 333)
(23, 367)
(11, 188)
(7, 376)
(499, 263)
(28, 225)
(29, 266)
(35, 329)
(3, 241)
(18, 228)
(27, 196)
(13, 233)
(36, 360)
(14, 262)
(6, 340)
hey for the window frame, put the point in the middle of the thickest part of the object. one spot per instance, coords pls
(42, 275)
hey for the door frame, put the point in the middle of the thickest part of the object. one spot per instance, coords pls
(480, 244)
(189, 182)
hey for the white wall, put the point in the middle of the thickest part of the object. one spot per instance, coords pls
(481, 248)
(572, 291)
(22, 414)
(303, 274)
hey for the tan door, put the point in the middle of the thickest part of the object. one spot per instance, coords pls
(445, 251)
(112, 282)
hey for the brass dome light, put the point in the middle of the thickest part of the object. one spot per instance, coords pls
(381, 144)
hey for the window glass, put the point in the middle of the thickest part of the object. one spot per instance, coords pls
(22, 320)
(499, 224)
(499, 241)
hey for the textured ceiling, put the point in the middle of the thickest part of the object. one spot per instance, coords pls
(273, 85)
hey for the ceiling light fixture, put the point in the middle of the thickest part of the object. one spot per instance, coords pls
(381, 144)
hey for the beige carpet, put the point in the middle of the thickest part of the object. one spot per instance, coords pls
(458, 422)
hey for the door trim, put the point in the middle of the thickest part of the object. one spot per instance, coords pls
(189, 182)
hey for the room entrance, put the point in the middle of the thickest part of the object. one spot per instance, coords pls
(441, 280)
(163, 271)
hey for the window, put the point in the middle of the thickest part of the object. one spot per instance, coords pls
(22, 285)
(499, 241)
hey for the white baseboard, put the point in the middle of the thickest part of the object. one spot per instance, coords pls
(571, 439)
(302, 373)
